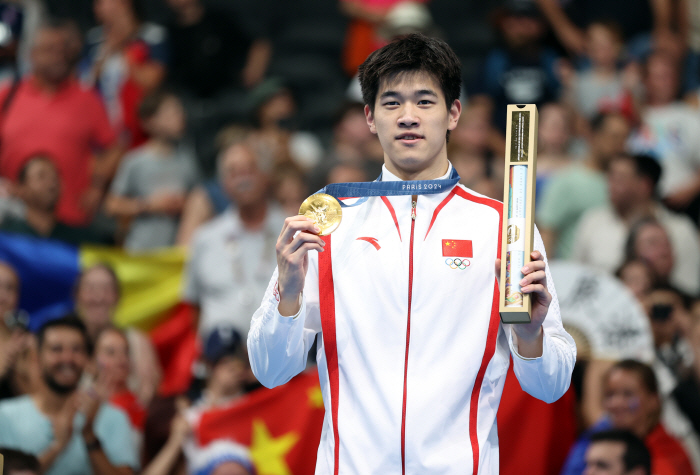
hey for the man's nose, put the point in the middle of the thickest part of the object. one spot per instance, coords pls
(408, 117)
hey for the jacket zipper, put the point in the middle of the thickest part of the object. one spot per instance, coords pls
(414, 200)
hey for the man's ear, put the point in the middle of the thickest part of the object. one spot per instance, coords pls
(369, 117)
(455, 112)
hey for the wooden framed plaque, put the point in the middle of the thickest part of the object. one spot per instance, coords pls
(518, 224)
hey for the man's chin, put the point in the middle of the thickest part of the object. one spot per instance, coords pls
(59, 387)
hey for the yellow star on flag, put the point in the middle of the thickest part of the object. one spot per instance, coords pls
(269, 453)
(315, 397)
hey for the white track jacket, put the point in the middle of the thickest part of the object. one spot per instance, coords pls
(412, 356)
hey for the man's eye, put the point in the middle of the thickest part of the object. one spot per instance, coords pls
(391, 103)
(425, 101)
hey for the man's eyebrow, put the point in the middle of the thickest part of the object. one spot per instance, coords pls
(423, 92)
(389, 94)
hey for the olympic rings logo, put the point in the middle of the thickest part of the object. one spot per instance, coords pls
(457, 263)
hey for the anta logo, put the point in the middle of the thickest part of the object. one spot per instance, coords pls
(457, 253)
(371, 240)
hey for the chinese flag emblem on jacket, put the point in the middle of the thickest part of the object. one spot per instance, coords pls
(280, 426)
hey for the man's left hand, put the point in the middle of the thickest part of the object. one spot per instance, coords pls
(534, 283)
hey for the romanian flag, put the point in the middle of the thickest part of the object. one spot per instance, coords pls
(151, 286)
(280, 426)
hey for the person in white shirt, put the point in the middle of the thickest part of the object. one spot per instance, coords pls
(412, 357)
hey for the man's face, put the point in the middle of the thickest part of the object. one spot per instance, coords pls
(97, 298)
(611, 139)
(661, 80)
(41, 187)
(50, 55)
(605, 458)
(240, 175)
(411, 120)
(624, 185)
(62, 358)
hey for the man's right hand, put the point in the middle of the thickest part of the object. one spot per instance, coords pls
(299, 235)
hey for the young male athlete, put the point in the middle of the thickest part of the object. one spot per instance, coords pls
(412, 356)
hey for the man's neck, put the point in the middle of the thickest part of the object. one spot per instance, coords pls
(48, 85)
(41, 221)
(253, 215)
(635, 210)
(432, 172)
(161, 146)
(49, 402)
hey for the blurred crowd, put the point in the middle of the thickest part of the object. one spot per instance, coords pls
(203, 124)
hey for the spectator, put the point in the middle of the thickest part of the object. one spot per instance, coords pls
(169, 458)
(290, 188)
(39, 189)
(20, 19)
(14, 339)
(68, 430)
(602, 232)
(638, 276)
(632, 402)
(601, 87)
(111, 361)
(616, 452)
(687, 392)
(669, 133)
(223, 457)
(125, 61)
(153, 180)
(638, 19)
(19, 463)
(96, 298)
(580, 186)
(75, 130)
(211, 51)
(554, 140)
(231, 256)
(209, 199)
(523, 71)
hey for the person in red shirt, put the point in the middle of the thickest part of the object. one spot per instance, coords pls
(632, 402)
(49, 113)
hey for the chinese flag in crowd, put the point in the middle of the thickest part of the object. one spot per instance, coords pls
(280, 426)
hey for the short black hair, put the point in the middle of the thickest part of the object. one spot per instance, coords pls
(412, 53)
(37, 157)
(645, 166)
(16, 460)
(69, 321)
(642, 370)
(636, 453)
(598, 121)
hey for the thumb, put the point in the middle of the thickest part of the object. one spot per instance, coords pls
(498, 271)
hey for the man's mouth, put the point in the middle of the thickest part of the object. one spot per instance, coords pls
(409, 138)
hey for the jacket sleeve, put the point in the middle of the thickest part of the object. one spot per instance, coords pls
(547, 377)
(278, 346)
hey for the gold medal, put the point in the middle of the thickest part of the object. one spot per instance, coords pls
(325, 210)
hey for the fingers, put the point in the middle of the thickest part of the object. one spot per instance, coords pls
(294, 224)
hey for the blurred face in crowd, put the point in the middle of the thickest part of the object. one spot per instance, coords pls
(667, 315)
(181, 5)
(9, 290)
(230, 468)
(352, 128)
(662, 80)
(625, 188)
(279, 107)
(653, 246)
(411, 119)
(229, 375)
(168, 122)
(472, 131)
(240, 175)
(41, 186)
(62, 358)
(554, 129)
(112, 355)
(51, 55)
(638, 278)
(605, 458)
(611, 138)
(109, 10)
(628, 403)
(603, 45)
(97, 297)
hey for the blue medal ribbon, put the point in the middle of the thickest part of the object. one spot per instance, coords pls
(364, 190)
